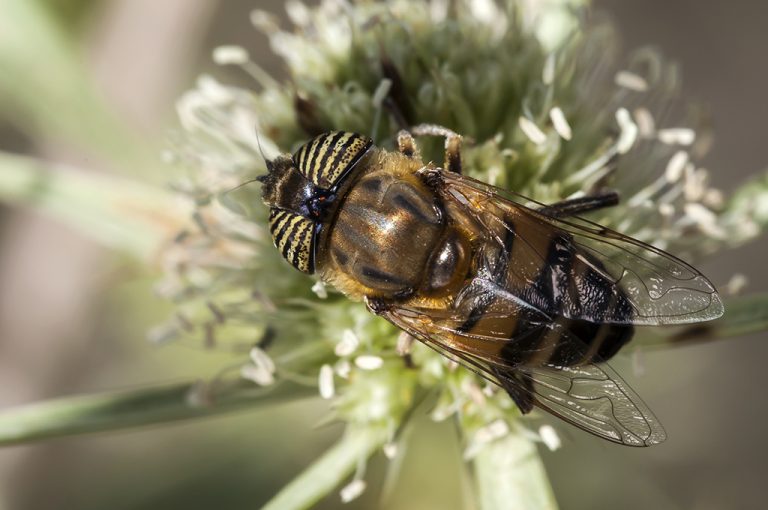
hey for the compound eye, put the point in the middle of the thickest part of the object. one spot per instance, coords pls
(294, 236)
(326, 159)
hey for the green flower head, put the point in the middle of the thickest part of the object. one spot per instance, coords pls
(547, 110)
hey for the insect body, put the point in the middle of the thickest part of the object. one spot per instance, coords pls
(532, 298)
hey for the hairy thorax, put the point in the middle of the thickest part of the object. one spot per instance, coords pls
(390, 238)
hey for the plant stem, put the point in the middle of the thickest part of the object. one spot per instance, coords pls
(329, 471)
(117, 212)
(510, 474)
(148, 406)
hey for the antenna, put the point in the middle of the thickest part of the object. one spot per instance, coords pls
(260, 178)
(261, 149)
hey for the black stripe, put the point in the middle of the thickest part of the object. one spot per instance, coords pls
(402, 201)
(528, 337)
(342, 175)
(547, 293)
(291, 236)
(275, 220)
(280, 235)
(340, 256)
(554, 279)
(374, 273)
(310, 169)
(334, 141)
(299, 236)
(615, 306)
(342, 151)
(301, 156)
(500, 272)
(372, 184)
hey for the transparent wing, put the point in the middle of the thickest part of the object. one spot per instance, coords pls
(578, 269)
(589, 395)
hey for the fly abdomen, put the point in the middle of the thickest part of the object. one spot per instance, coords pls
(548, 281)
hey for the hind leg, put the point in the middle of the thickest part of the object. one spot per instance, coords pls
(581, 205)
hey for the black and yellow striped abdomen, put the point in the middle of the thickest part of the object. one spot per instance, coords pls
(549, 278)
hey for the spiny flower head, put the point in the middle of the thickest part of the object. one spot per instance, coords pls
(547, 110)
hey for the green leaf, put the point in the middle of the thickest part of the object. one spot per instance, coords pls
(743, 315)
(330, 470)
(117, 212)
(510, 474)
(147, 406)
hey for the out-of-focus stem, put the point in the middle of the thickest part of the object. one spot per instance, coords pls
(146, 406)
(327, 472)
(509, 474)
(117, 212)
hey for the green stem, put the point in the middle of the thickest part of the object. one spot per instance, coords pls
(510, 474)
(148, 406)
(330, 470)
(117, 212)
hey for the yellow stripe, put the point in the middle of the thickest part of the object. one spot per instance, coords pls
(301, 157)
(299, 242)
(304, 252)
(332, 171)
(317, 171)
(292, 222)
(308, 167)
(280, 218)
(357, 145)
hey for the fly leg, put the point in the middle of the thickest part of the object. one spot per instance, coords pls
(582, 205)
(452, 144)
(380, 307)
(407, 145)
(518, 387)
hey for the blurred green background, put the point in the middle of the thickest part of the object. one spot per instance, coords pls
(74, 315)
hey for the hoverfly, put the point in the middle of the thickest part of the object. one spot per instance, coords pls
(530, 297)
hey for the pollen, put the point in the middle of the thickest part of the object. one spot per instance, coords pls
(560, 123)
(348, 343)
(532, 131)
(549, 437)
(369, 362)
(325, 382)
(676, 166)
(352, 491)
(677, 136)
(631, 81)
(629, 131)
(230, 55)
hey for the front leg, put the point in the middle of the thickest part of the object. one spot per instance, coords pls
(452, 161)
(377, 306)
(381, 307)
(407, 145)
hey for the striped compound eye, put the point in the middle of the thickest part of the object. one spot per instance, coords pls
(325, 160)
(293, 235)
